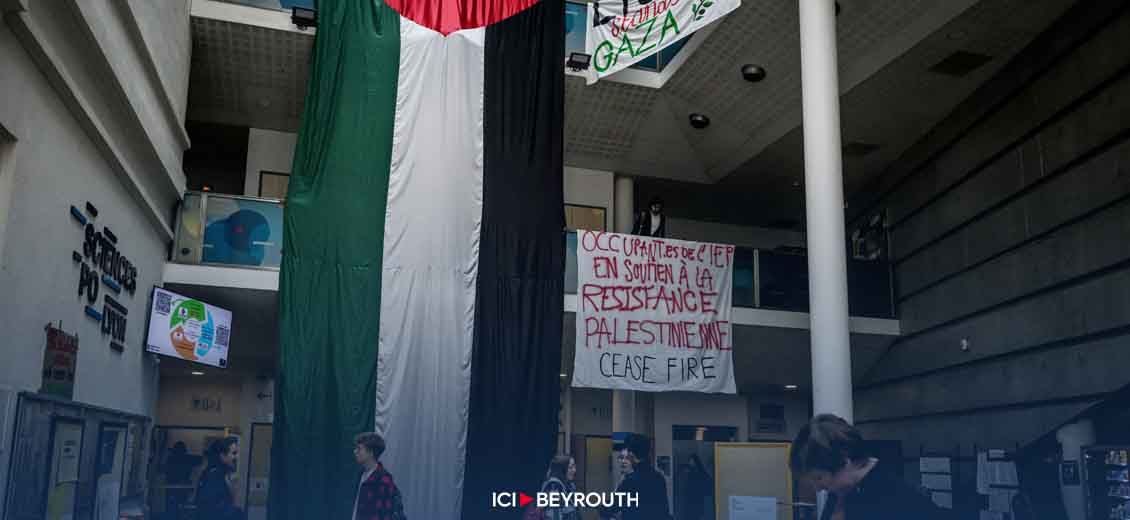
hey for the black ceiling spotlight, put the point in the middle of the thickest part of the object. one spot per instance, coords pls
(578, 61)
(699, 121)
(753, 73)
(303, 18)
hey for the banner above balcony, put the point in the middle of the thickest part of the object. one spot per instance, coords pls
(624, 32)
(653, 314)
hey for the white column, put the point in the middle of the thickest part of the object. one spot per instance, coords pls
(623, 401)
(824, 203)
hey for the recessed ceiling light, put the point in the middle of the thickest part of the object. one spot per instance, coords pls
(564, 375)
(197, 373)
(699, 121)
(790, 387)
(753, 73)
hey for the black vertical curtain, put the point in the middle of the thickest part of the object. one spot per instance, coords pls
(516, 359)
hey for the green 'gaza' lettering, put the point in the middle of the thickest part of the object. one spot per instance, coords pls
(607, 54)
(650, 24)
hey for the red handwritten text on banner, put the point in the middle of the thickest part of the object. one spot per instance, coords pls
(653, 314)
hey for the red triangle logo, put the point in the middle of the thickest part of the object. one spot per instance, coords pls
(524, 499)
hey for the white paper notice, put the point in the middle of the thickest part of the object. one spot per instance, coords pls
(942, 499)
(937, 482)
(934, 465)
(982, 473)
(753, 508)
(1000, 500)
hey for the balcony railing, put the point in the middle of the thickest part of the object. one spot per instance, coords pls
(277, 5)
(228, 230)
(772, 280)
(215, 229)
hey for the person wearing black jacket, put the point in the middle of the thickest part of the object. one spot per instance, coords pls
(215, 494)
(643, 480)
(831, 455)
(651, 223)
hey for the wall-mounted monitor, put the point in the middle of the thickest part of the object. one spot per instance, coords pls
(188, 329)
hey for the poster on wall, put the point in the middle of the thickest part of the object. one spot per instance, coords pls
(622, 33)
(869, 239)
(59, 358)
(653, 314)
(188, 329)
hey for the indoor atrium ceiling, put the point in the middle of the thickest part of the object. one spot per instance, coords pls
(256, 76)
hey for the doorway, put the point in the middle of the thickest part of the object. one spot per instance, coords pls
(110, 469)
(179, 455)
(693, 466)
(259, 470)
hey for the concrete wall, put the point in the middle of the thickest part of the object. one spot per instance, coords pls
(174, 407)
(165, 29)
(592, 411)
(591, 188)
(741, 236)
(267, 150)
(82, 121)
(54, 165)
(1009, 226)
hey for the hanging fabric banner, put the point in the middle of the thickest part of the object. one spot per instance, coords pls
(623, 32)
(653, 314)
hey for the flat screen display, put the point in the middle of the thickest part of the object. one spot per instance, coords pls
(188, 329)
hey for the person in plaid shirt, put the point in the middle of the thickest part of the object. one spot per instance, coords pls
(377, 495)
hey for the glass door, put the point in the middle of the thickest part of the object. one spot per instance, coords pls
(66, 457)
(110, 469)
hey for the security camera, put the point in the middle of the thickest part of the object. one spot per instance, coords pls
(753, 73)
(699, 121)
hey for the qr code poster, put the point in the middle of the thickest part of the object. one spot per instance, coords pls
(189, 329)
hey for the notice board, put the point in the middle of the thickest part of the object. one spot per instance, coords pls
(752, 469)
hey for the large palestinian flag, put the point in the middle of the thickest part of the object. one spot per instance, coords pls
(421, 284)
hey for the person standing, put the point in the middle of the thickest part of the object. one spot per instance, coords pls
(652, 223)
(831, 455)
(377, 495)
(215, 494)
(697, 487)
(560, 479)
(642, 480)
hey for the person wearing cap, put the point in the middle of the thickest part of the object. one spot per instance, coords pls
(643, 480)
(651, 223)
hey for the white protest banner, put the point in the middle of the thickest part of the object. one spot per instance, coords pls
(653, 314)
(623, 32)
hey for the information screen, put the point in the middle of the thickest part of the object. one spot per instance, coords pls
(188, 329)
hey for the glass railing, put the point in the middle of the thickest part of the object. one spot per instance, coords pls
(278, 5)
(774, 280)
(229, 230)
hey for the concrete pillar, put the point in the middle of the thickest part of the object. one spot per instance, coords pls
(824, 204)
(624, 409)
(623, 401)
(1072, 438)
